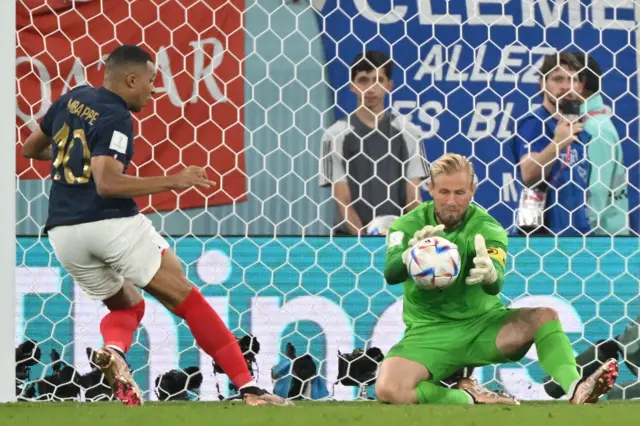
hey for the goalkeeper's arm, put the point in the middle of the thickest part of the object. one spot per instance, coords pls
(395, 271)
(488, 265)
(496, 286)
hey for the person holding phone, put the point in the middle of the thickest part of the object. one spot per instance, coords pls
(549, 147)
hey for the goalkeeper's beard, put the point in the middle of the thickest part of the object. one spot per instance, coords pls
(449, 220)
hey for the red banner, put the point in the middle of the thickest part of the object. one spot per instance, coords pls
(196, 117)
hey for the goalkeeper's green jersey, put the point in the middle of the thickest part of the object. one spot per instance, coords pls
(459, 300)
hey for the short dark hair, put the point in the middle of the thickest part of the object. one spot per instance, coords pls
(590, 71)
(127, 54)
(554, 60)
(371, 60)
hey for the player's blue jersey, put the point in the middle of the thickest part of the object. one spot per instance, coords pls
(568, 180)
(84, 123)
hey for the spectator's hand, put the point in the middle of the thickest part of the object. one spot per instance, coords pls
(566, 132)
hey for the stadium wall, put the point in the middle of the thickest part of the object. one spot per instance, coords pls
(330, 295)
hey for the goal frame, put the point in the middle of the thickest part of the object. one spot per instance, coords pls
(8, 222)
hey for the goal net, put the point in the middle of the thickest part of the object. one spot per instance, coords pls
(247, 90)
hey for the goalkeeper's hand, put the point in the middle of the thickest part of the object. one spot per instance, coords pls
(405, 256)
(426, 232)
(483, 271)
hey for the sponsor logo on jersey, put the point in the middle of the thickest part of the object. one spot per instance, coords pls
(395, 238)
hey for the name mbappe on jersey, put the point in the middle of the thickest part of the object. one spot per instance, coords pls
(86, 122)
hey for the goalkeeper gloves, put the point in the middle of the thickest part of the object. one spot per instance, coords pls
(426, 232)
(483, 272)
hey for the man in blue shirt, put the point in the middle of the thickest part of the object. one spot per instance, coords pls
(550, 149)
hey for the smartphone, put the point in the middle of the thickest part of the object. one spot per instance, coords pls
(569, 107)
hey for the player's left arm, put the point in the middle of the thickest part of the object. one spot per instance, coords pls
(490, 260)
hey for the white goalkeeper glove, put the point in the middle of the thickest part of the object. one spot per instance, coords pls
(405, 256)
(483, 272)
(426, 232)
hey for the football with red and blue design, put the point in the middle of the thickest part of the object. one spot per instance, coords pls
(434, 263)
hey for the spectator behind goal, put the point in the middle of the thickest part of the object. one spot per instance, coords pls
(549, 147)
(374, 159)
(607, 198)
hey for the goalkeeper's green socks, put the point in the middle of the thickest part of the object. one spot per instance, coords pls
(430, 393)
(556, 355)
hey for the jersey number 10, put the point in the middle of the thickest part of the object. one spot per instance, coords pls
(65, 145)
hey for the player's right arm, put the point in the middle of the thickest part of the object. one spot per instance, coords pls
(114, 149)
(38, 144)
(395, 270)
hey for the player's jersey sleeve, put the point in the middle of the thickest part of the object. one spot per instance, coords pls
(47, 122)
(395, 271)
(400, 232)
(115, 139)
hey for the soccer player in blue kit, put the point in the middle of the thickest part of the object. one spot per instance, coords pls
(101, 239)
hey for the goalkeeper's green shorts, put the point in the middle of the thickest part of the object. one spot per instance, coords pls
(446, 348)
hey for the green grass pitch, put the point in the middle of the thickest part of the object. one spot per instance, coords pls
(319, 414)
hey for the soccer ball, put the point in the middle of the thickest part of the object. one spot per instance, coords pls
(380, 224)
(434, 263)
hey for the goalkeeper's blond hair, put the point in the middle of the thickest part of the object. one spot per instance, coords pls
(451, 163)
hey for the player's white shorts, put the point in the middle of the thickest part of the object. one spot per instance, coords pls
(100, 255)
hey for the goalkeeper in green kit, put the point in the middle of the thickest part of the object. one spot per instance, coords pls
(466, 324)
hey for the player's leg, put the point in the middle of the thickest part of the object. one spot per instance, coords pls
(404, 381)
(412, 371)
(151, 265)
(126, 309)
(453, 379)
(587, 362)
(627, 344)
(520, 328)
(124, 302)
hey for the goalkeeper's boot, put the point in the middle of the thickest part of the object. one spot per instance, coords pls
(482, 395)
(590, 389)
(118, 375)
(253, 395)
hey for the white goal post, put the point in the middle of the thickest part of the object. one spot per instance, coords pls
(8, 215)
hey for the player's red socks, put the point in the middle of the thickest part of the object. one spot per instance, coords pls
(117, 327)
(214, 337)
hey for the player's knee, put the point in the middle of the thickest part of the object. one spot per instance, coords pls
(392, 393)
(385, 391)
(170, 287)
(544, 315)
